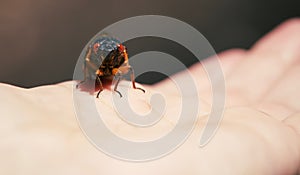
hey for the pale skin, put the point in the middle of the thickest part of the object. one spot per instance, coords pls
(259, 133)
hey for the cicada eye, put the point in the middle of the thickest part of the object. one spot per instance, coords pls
(121, 48)
(96, 47)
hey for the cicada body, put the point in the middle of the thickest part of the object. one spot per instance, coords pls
(107, 58)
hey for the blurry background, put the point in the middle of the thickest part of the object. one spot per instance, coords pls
(40, 40)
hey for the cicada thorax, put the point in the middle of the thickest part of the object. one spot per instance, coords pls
(113, 60)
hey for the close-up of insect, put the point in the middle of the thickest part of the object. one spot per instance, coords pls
(105, 59)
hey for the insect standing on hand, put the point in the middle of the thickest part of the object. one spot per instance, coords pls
(114, 64)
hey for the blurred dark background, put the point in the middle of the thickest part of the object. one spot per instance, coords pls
(40, 40)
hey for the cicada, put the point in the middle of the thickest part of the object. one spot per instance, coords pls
(107, 58)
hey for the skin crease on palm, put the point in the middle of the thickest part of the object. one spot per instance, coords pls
(259, 133)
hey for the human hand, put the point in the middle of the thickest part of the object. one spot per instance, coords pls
(259, 133)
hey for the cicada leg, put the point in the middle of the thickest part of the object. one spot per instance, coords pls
(100, 86)
(132, 77)
(85, 73)
(87, 67)
(118, 76)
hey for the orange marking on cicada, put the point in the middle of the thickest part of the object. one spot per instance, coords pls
(115, 71)
(99, 73)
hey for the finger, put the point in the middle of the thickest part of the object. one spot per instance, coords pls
(282, 100)
(283, 41)
(265, 64)
(225, 61)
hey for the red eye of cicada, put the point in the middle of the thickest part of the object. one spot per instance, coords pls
(96, 47)
(121, 48)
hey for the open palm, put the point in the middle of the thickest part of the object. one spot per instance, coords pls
(259, 132)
